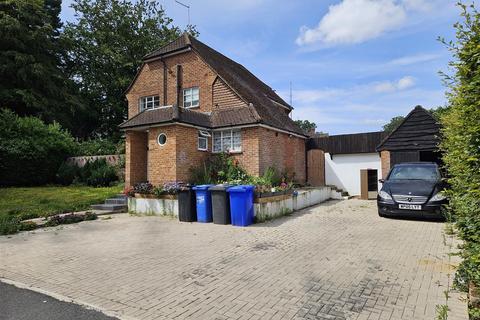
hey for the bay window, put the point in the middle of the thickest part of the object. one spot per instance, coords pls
(227, 141)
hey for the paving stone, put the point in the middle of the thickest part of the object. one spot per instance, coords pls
(338, 260)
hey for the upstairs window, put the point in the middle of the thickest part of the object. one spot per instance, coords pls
(227, 141)
(149, 102)
(191, 97)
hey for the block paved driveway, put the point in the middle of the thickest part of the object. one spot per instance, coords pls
(338, 260)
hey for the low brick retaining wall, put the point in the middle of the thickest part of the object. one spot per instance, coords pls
(153, 206)
(265, 208)
(282, 205)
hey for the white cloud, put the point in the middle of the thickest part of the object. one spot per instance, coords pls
(356, 21)
(331, 95)
(413, 59)
(390, 86)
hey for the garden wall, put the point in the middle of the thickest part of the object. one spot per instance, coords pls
(163, 207)
(112, 159)
(265, 210)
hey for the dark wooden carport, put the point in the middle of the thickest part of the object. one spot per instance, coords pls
(415, 139)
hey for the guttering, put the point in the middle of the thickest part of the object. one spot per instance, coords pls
(259, 125)
(169, 123)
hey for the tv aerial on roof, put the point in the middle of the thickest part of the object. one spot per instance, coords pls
(188, 9)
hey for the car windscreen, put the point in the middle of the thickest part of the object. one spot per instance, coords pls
(414, 173)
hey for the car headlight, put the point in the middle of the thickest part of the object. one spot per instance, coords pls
(384, 195)
(439, 196)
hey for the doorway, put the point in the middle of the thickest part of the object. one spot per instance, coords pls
(368, 184)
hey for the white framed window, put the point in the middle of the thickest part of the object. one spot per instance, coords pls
(227, 141)
(162, 139)
(203, 140)
(149, 102)
(191, 97)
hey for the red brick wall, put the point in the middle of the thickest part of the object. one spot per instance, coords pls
(161, 159)
(385, 159)
(248, 158)
(172, 162)
(148, 83)
(282, 151)
(135, 157)
(188, 155)
(195, 73)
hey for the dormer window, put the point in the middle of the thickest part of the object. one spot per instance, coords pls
(191, 97)
(149, 102)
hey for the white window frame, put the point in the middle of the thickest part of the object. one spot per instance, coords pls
(158, 139)
(203, 135)
(226, 133)
(188, 94)
(148, 102)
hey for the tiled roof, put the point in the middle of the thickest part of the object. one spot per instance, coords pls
(267, 106)
(167, 114)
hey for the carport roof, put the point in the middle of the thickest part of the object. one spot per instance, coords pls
(348, 143)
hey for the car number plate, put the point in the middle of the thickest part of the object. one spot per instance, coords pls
(410, 206)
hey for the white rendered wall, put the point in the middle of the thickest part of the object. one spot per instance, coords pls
(343, 170)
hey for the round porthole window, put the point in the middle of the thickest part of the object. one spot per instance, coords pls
(162, 139)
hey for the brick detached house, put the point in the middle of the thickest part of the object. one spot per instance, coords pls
(188, 100)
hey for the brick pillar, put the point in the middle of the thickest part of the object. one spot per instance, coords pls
(135, 157)
(385, 159)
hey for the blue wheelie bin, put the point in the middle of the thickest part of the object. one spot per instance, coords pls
(241, 205)
(204, 203)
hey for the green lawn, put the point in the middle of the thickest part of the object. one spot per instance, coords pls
(44, 201)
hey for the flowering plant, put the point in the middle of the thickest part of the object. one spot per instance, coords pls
(143, 188)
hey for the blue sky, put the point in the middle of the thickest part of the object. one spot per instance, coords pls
(353, 64)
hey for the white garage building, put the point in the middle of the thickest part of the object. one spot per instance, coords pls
(348, 157)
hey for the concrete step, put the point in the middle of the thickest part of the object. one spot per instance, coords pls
(116, 201)
(110, 207)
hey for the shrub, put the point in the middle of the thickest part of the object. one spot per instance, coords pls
(461, 141)
(101, 176)
(69, 218)
(27, 226)
(67, 173)
(218, 168)
(9, 225)
(96, 173)
(31, 151)
(98, 147)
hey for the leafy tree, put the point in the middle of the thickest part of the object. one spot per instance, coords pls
(30, 150)
(106, 45)
(393, 124)
(306, 125)
(461, 140)
(31, 79)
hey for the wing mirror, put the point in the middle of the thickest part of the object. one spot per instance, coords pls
(381, 180)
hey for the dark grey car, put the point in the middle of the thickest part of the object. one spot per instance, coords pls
(412, 189)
